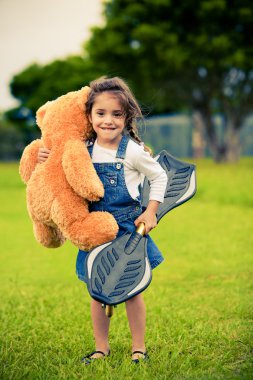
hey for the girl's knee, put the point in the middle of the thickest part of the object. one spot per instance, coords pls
(135, 299)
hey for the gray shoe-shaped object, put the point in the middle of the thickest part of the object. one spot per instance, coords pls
(181, 185)
(120, 269)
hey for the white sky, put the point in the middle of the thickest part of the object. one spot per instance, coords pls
(41, 31)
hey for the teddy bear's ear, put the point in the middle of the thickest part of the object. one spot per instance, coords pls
(83, 96)
(41, 113)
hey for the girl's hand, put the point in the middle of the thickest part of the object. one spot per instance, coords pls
(148, 217)
(43, 155)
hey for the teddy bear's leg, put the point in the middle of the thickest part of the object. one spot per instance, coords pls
(85, 230)
(49, 237)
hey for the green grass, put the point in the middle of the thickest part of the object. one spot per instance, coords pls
(199, 304)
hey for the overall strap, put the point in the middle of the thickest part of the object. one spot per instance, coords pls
(90, 148)
(121, 152)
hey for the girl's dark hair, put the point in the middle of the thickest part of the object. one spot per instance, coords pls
(126, 98)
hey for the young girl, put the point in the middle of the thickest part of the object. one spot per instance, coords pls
(120, 158)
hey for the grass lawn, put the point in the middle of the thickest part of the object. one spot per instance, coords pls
(199, 304)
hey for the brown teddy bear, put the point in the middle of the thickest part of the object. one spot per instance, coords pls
(59, 189)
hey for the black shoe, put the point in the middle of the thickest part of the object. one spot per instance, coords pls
(88, 359)
(144, 357)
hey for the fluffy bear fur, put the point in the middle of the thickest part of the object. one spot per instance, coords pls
(59, 189)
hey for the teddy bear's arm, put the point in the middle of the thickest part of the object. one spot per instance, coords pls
(80, 172)
(29, 160)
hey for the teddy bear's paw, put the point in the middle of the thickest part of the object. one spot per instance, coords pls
(85, 230)
(49, 237)
(96, 229)
(94, 193)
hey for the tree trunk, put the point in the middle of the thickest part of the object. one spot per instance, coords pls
(222, 151)
(232, 141)
(198, 135)
(216, 149)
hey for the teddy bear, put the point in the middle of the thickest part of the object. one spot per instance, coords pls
(59, 190)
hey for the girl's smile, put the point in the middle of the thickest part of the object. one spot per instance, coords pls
(108, 119)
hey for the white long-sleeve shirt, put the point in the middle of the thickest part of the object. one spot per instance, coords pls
(137, 162)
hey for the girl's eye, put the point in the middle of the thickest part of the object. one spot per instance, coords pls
(115, 114)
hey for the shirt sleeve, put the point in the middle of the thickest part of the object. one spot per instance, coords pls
(151, 169)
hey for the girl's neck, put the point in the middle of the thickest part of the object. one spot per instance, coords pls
(112, 145)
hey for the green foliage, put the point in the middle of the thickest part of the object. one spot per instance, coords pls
(199, 304)
(194, 55)
(181, 48)
(37, 84)
(176, 56)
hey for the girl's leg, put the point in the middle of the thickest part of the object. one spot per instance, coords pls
(100, 324)
(136, 313)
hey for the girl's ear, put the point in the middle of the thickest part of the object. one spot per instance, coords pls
(90, 119)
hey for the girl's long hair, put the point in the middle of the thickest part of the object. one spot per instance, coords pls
(127, 100)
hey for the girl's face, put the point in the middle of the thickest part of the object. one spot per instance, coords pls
(108, 119)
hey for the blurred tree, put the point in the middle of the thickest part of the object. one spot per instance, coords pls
(37, 84)
(192, 54)
(11, 141)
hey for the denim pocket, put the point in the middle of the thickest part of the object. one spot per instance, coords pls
(110, 182)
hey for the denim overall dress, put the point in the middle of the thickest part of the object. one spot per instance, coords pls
(119, 203)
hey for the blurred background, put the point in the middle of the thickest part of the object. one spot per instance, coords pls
(190, 65)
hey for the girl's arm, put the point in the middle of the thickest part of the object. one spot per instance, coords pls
(148, 217)
(157, 177)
